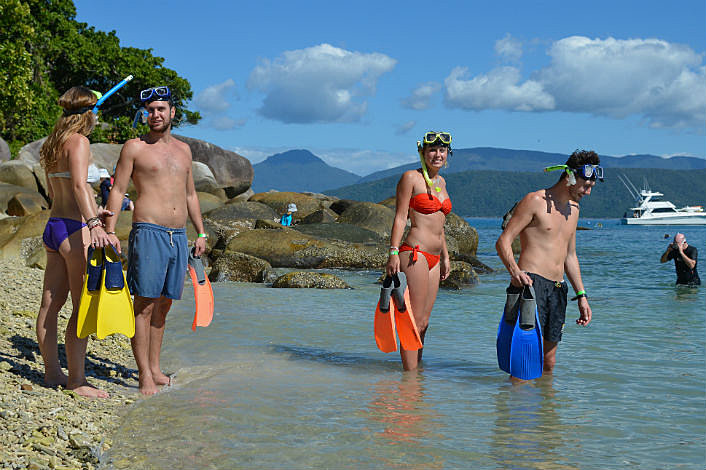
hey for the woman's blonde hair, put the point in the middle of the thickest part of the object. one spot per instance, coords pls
(72, 121)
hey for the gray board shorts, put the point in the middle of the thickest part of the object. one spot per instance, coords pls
(551, 305)
(157, 261)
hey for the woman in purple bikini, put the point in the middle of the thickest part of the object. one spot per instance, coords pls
(73, 225)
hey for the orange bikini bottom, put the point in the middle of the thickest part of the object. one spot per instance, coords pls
(432, 260)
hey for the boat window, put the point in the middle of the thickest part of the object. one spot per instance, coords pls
(663, 209)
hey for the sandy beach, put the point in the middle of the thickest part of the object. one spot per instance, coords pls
(42, 427)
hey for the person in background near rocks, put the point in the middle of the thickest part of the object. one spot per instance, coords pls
(74, 223)
(286, 219)
(422, 197)
(546, 222)
(685, 259)
(160, 167)
(105, 187)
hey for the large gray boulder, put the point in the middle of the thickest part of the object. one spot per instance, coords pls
(106, 155)
(343, 232)
(18, 173)
(4, 151)
(239, 267)
(233, 172)
(461, 238)
(10, 191)
(309, 280)
(279, 200)
(371, 216)
(30, 152)
(238, 211)
(290, 248)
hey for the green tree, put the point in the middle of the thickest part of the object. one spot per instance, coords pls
(50, 52)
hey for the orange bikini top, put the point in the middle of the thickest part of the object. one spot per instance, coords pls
(428, 204)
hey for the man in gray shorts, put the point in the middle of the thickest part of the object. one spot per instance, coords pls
(546, 222)
(160, 167)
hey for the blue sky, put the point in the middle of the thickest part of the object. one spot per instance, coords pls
(357, 83)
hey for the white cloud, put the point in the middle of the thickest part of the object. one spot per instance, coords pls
(216, 98)
(421, 96)
(406, 127)
(318, 84)
(225, 123)
(499, 89)
(664, 83)
(509, 48)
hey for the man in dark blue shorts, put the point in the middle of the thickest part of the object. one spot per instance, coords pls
(160, 167)
(545, 221)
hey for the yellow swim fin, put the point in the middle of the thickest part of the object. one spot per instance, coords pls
(115, 311)
(88, 308)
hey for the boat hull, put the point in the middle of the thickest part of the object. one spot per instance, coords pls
(699, 219)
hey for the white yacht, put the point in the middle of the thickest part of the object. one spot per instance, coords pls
(652, 210)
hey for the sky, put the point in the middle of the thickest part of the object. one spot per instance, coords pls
(358, 83)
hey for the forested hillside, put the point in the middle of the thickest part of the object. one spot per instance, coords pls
(492, 193)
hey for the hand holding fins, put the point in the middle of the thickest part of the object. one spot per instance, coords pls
(203, 294)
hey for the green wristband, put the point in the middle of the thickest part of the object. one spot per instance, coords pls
(579, 294)
(203, 235)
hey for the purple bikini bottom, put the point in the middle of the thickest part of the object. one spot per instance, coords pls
(58, 229)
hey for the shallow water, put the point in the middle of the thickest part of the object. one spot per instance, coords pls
(291, 378)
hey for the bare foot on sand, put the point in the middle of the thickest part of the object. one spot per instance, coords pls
(54, 379)
(89, 391)
(160, 378)
(147, 386)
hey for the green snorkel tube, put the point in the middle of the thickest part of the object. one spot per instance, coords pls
(425, 173)
(571, 178)
(104, 97)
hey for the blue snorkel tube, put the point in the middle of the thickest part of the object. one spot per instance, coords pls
(110, 92)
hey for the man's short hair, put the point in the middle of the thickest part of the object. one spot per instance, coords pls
(582, 157)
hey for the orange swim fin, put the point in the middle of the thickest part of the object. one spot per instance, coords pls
(404, 318)
(203, 294)
(384, 321)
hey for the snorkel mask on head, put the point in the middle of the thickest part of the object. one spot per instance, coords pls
(587, 172)
(432, 138)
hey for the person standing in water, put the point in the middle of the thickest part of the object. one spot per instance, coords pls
(160, 167)
(422, 198)
(74, 224)
(685, 259)
(546, 222)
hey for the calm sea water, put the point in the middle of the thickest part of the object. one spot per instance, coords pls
(291, 378)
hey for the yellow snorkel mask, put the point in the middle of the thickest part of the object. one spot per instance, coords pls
(432, 138)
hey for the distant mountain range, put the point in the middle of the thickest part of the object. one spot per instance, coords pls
(489, 158)
(300, 170)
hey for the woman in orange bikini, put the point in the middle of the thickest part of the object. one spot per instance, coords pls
(422, 197)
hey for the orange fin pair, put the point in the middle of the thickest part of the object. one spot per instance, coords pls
(203, 294)
(394, 301)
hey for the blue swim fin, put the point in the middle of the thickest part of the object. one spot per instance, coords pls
(520, 346)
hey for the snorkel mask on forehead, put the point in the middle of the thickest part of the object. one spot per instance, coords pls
(157, 93)
(587, 172)
(432, 138)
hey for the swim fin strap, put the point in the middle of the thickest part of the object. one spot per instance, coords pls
(90, 293)
(115, 310)
(203, 293)
(384, 325)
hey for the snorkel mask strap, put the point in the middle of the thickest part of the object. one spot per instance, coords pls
(425, 173)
